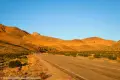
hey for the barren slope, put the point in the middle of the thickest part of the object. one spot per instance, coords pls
(22, 38)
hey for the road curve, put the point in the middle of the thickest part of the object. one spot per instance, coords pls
(84, 69)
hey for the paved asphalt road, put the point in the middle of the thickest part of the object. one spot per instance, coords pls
(85, 68)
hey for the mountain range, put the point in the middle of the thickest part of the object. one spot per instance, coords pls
(13, 39)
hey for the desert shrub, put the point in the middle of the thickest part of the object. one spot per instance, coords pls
(67, 54)
(105, 55)
(74, 54)
(80, 54)
(112, 57)
(97, 55)
(86, 54)
(44, 49)
(16, 63)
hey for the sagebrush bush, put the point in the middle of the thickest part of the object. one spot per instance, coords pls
(67, 54)
(97, 55)
(112, 57)
(73, 54)
(13, 64)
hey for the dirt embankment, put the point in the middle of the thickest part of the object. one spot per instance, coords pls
(34, 69)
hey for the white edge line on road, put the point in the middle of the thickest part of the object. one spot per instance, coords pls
(67, 70)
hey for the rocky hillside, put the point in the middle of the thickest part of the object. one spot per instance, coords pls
(15, 36)
(11, 40)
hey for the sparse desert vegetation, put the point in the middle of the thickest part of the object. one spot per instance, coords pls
(23, 66)
(112, 55)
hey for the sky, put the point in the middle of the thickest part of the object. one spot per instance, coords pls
(65, 19)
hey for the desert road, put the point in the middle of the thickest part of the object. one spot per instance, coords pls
(84, 68)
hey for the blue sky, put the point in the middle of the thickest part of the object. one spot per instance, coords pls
(65, 19)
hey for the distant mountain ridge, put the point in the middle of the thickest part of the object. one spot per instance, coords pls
(24, 39)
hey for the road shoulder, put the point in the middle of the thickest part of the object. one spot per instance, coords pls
(56, 73)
